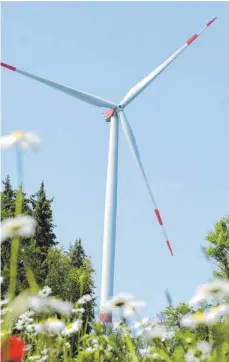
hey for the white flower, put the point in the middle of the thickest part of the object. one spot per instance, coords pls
(152, 332)
(22, 225)
(141, 323)
(190, 357)
(205, 348)
(35, 328)
(43, 304)
(22, 139)
(155, 356)
(132, 307)
(86, 298)
(215, 313)
(167, 335)
(216, 289)
(78, 310)
(54, 325)
(1, 279)
(37, 304)
(60, 305)
(146, 352)
(193, 320)
(123, 301)
(45, 292)
(72, 327)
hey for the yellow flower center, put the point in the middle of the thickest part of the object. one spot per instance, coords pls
(198, 317)
(14, 228)
(214, 309)
(120, 303)
(69, 326)
(18, 134)
(52, 319)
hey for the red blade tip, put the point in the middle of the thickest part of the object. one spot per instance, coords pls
(211, 21)
(8, 66)
(169, 246)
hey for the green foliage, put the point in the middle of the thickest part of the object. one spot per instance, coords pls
(218, 249)
(68, 274)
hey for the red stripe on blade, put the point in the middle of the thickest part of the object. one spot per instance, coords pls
(158, 216)
(189, 41)
(8, 66)
(210, 22)
(169, 246)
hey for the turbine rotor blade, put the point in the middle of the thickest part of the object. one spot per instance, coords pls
(140, 86)
(134, 149)
(83, 96)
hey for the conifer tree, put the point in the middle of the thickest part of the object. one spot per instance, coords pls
(45, 237)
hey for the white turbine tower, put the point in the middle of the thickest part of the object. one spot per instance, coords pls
(114, 115)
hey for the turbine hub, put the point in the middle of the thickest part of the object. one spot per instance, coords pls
(108, 114)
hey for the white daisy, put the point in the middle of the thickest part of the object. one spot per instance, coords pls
(152, 332)
(86, 298)
(190, 357)
(45, 292)
(23, 225)
(54, 325)
(215, 289)
(37, 304)
(205, 348)
(60, 305)
(167, 335)
(193, 320)
(72, 327)
(213, 314)
(141, 323)
(120, 301)
(78, 310)
(133, 307)
(1, 279)
(22, 139)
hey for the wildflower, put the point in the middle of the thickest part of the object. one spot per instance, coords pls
(190, 357)
(22, 139)
(78, 310)
(216, 289)
(54, 325)
(205, 349)
(146, 352)
(43, 304)
(20, 225)
(132, 307)
(142, 322)
(59, 305)
(37, 304)
(45, 292)
(35, 328)
(152, 332)
(216, 312)
(156, 356)
(16, 349)
(1, 279)
(72, 327)
(86, 298)
(192, 320)
(167, 335)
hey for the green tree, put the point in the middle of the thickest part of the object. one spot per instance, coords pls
(42, 212)
(8, 202)
(71, 278)
(218, 249)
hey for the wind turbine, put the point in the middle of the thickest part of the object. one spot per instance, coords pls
(116, 115)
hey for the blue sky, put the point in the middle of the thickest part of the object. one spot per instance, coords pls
(180, 123)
